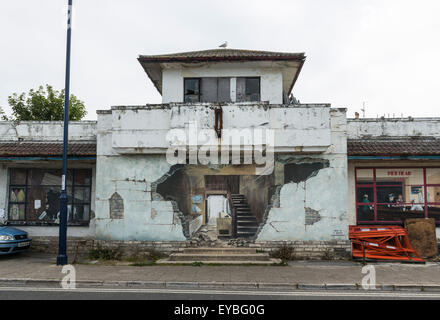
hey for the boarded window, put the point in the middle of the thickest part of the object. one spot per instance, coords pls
(224, 90)
(216, 89)
(209, 90)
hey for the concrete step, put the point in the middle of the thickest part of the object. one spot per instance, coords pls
(247, 223)
(244, 234)
(246, 230)
(246, 217)
(237, 262)
(220, 250)
(219, 257)
(247, 227)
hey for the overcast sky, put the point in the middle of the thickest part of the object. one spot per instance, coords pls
(381, 52)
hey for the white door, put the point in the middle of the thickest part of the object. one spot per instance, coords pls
(216, 205)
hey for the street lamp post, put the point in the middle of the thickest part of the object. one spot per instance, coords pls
(62, 254)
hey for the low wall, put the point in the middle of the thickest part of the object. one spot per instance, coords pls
(303, 249)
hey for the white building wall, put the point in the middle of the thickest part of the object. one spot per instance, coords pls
(144, 129)
(322, 197)
(47, 131)
(131, 159)
(408, 127)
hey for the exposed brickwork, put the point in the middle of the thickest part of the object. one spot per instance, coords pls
(303, 249)
(50, 245)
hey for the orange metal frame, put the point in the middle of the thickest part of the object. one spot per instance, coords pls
(382, 243)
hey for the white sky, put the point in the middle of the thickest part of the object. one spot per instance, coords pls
(383, 52)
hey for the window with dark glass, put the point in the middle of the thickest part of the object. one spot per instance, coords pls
(34, 195)
(209, 89)
(391, 195)
(192, 90)
(248, 89)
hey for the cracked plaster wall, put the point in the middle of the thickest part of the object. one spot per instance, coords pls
(145, 218)
(316, 208)
(311, 209)
(149, 218)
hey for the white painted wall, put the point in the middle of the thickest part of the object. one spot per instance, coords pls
(123, 166)
(326, 193)
(393, 127)
(271, 79)
(144, 129)
(47, 131)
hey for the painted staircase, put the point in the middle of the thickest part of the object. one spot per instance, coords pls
(220, 255)
(247, 224)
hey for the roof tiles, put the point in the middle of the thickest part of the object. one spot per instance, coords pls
(14, 149)
(391, 147)
(222, 55)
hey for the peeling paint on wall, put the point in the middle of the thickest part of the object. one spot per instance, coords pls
(308, 210)
(153, 214)
(298, 172)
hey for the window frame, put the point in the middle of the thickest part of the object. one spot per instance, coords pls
(199, 95)
(259, 88)
(28, 185)
(242, 96)
(375, 202)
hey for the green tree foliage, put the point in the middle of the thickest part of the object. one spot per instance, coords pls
(43, 105)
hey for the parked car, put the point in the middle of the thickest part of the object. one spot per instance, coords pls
(13, 240)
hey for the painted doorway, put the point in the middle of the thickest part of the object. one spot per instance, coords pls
(218, 207)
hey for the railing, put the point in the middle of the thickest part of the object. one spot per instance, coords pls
(234, 215)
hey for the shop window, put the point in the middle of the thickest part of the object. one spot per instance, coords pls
(433, 176)
(391, 195)
(34, 196)
(365, 176)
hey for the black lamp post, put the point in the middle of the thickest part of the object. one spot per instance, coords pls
(62, 254)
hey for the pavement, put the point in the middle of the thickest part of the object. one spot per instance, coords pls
(39, 270)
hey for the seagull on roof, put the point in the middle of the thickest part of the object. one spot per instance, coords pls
(224, 45)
